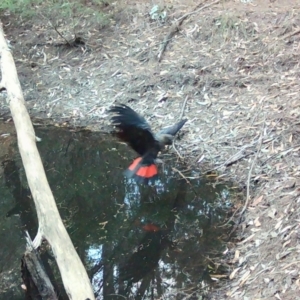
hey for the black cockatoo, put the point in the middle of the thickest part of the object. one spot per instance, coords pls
(133, 129)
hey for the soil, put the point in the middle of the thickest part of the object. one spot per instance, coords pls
(231, 68)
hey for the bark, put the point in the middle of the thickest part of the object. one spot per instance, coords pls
(51, 227)
(38, 284)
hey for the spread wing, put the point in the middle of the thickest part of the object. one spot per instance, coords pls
(132, 128)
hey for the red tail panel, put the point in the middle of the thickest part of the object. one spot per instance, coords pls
(134, 164)
(147, 171)
(141, 173)
(151, 227)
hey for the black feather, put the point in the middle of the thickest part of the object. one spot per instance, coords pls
(133, 129)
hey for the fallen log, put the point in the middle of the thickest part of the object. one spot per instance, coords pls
(51, 227)
(37, 283)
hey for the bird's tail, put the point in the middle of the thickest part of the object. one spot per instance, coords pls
(172, 130)
(166, 135)
(143, 170)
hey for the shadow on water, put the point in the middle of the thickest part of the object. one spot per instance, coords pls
(137, 242)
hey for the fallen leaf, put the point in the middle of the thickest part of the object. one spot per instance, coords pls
(256, 222)
(289, 184)
(245, 277)
(246, 240)
(231, 276)
(227, 113)
(273, 234)
(257, 200)
(252, 268)
(236, 254)
(286, 243)
(278, 224)
(272, 213)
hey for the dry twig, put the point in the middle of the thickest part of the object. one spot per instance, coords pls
(291, 34)
(185, 178)
(249, 175)
(176, 27)
(183, 107)
(180, 118)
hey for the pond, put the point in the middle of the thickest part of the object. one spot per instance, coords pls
(136, 242)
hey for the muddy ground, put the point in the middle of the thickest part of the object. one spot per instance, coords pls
(231, 68)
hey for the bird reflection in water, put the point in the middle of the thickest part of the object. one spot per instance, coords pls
(146, 257)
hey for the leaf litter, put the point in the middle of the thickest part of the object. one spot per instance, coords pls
(232, 69)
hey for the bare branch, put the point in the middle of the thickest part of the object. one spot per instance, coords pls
(51, 227)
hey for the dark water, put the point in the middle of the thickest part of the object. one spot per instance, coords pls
(136, 242)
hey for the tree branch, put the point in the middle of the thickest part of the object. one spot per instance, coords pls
(51, 227)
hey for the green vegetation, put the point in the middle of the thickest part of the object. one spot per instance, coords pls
(230, 26)
(56, 12)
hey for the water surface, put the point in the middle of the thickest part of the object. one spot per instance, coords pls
(137, 242)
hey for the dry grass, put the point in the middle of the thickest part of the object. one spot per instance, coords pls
(238, 64)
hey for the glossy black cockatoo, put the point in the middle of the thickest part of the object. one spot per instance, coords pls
(133, 129)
